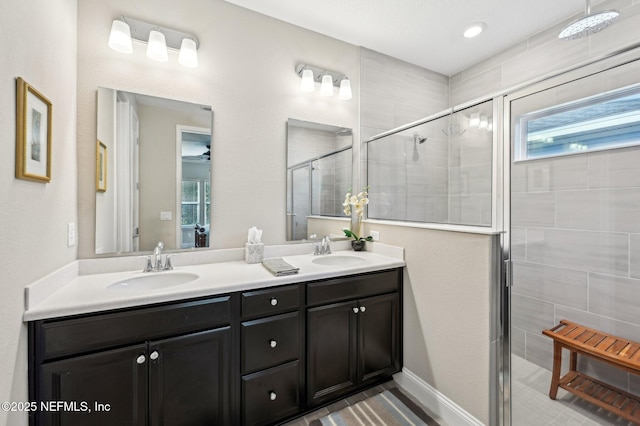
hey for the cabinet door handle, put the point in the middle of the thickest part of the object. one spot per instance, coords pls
(362, 309)
(141, 359)
(273, 343)
(355, 310)
(272, 396)
(274, 301)
(154, 355)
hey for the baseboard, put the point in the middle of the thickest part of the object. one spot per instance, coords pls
(436, 402)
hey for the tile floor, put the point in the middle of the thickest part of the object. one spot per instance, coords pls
(531, 403)
(304, 421)
(532, 406)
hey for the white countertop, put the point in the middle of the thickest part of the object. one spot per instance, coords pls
(69, 292)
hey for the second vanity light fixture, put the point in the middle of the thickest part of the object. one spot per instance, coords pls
(158, 39)
(328, 80)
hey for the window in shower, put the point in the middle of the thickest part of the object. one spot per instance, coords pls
(607, 121)
(439, 171)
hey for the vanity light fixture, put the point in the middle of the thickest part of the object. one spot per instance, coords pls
(329, 79)
(157, 38)
(345, 89)
(188, 55)
(484, 122)
(120, 37)
(308, 82)
(157, 47)
(474, 120)
(326, 89)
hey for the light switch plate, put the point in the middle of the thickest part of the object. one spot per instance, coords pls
(165, 215)
(375, 235)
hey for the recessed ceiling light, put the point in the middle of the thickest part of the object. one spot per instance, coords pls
(474, 29)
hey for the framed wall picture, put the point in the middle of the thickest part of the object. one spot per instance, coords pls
(101, 167)
(33, 133)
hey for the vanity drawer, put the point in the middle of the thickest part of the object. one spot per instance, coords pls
(270, 341)
(270, 301)
(353, 287)
(57, 338)
(271, 395)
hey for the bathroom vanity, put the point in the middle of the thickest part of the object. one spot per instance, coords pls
(255, 356)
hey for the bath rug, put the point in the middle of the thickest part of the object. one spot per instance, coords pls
(389, 408)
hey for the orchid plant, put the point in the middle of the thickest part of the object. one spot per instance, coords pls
(357, 202)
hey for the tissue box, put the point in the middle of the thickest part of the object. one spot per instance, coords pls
(253, 253)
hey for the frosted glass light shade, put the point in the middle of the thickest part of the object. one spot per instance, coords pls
(307, 84)
(120, 37)
(157, 47)
(326, 89)
(484, 122)
(188, 55)
(345, 90)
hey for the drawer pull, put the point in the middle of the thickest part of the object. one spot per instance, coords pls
(272, 396)
(274, 301)
(273, 343)
(362, 309)
(154, 355)
(355, 310)
(141, 359)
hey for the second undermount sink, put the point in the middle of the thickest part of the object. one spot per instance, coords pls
(338, 260)
(153, 281)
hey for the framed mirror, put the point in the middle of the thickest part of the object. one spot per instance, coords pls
(158, 176)
(319, 172)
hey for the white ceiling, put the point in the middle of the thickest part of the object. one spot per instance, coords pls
(424, 32)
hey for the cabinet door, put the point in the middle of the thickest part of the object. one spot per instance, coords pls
(379, 336)
(331, 351)
(116, 379)
(189, 379)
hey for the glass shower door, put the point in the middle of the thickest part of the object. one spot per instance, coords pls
(574, 234)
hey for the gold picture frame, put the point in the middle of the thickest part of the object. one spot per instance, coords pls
(101, 167)
(33, 133)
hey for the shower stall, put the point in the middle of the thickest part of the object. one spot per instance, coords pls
(574, 232)
(553, 167)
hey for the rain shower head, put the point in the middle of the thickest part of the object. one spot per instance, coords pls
(589, 24)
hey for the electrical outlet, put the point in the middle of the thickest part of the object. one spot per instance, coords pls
(165, 215)
(71, 234)
(375, 235)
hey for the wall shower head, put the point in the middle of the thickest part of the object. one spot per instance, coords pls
(418, 139)
(589, 24)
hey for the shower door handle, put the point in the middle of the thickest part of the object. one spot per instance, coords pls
(508, 274)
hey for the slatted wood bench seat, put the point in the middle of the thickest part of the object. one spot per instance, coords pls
(616, 351)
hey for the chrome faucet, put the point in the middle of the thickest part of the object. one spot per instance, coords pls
(157, 253)
(323, 247)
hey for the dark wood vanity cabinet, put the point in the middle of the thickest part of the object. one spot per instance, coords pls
(271, 349)
(249, 358)
(166, 365)
(352, 340)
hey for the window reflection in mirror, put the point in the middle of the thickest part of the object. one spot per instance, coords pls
(156, 148)
(319, 165)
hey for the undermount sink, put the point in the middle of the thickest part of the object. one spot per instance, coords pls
(338, 260)
(153, 281)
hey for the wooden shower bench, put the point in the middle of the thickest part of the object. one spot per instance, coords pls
(616, 351)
